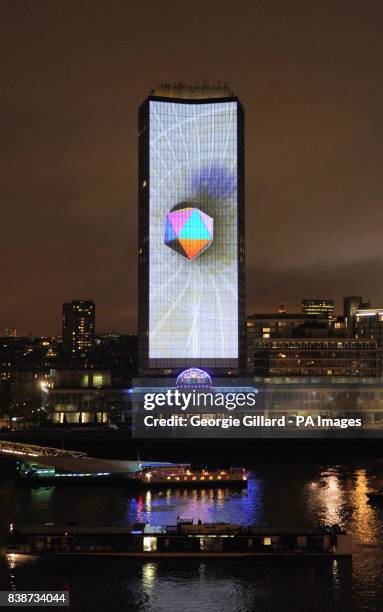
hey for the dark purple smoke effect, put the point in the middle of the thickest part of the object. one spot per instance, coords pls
(215, 180)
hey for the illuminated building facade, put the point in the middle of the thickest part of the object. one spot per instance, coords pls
(191, 230)
(368, 323)
(285, 325)
(293, 345)
(342, 396)
(83, 396)
(316, 357)
(318, 307)
(78, 330)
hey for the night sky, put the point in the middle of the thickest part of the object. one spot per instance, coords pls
(72, 74)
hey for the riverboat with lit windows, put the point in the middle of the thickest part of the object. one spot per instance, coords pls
(186, 476)
(185, 539)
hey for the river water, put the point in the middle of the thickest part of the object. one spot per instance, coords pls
(280, 495)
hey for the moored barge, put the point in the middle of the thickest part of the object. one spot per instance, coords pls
(187, 476)
(185, 539)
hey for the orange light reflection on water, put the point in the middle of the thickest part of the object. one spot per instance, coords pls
(364, 516)
(327, 496)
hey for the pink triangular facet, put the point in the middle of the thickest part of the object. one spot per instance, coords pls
(178, 218)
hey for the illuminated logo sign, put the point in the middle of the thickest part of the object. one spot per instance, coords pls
(193, 377)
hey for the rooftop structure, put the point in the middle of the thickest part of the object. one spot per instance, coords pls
(198, 91)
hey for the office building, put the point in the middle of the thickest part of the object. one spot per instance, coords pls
(316, 357)
(83, 397)
(191, 230)
(285, 325)
(298, 345)
(318, 307)
(368, 323)
(351, 304)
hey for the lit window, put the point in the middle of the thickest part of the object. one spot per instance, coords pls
(98, 380)
(149, 544)
(267, 541)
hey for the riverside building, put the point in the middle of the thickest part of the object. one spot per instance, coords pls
(191, 230)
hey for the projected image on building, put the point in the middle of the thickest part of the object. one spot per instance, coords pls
(193, 232)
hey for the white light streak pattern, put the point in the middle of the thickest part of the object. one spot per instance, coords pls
(193, 306)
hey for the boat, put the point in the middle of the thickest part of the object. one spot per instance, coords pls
(41, 465)
(47, 465)
(186, 476)
(184, 539)
(375, 497)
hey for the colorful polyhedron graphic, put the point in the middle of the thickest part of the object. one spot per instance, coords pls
(188, 231)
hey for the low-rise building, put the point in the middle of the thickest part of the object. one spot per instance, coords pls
(84, 397)
(345, 357)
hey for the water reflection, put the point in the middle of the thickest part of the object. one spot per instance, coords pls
(364, 516)
(332, 499)
(208, 505)
(148, 505)
(278, 498)
(148, 577)
(335, 574)
(326, 498)
(281, 495)
(42, 495)
(16, 562)
(243, 586)
(11, 561)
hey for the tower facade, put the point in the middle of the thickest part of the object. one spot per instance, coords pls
(191, 230)
(78, 330)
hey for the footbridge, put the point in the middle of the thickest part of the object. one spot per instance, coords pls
(33, 450)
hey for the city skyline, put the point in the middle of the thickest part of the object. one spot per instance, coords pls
(69, 148)
(340, 313)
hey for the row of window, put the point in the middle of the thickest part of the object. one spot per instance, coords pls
(317, 345)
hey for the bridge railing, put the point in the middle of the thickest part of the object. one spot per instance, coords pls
(33, 450)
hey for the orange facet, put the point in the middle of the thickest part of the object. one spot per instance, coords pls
(193, 247)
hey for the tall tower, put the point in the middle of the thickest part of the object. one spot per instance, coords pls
(78, 328)
(191, 230)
